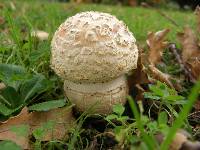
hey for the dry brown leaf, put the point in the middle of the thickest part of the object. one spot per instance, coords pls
(197, 105)
(140, 93)
(178, 141)
(186, 69)
(158, 75)
(156, 44)
(163, 77)
(191, 145)
(197, 12)
(137, 78)
(194, 64)
(189, 44)
(41, 35)
(2, 85)
(7, 134)
(62, 117)
(2, 20)
(191, 51)
(139, 75)
(132, 2)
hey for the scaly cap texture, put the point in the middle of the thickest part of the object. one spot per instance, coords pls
(93, 47)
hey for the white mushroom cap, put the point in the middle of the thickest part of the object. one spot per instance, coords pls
(93, 47)
(99, 97)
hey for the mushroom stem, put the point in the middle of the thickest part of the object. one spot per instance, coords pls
(101, 96)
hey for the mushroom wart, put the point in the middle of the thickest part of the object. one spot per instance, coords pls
(92, 52)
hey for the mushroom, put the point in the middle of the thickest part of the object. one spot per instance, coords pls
(92, 52)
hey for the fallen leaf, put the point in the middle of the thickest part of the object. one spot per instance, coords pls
(132, 2)
(62, 117)
(158, 75)
(139, 76)
(140, 93)
(189, 44)
(156, 44)
(7, 134)
(197, 105)
(163, 77)
(179, 139)
(145, 5)
(188, 145)
(194, 65)
(191, 51)
(2, 85)
(2, 20)
(41, 35)
(185, 68)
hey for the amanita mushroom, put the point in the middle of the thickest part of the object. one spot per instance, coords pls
(92, 52)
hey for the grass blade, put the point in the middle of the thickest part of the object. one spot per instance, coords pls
(182, 116)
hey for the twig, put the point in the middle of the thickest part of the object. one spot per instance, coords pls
(163, 77)
(161, 13)
(167, 17)
(157, 74)
(186, 70)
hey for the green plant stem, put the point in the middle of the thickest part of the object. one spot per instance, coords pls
(182, 116)
(147, 139)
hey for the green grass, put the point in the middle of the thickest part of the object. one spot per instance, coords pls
(48, 16)
(18, 47)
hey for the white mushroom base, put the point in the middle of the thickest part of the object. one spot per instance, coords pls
(100, 97)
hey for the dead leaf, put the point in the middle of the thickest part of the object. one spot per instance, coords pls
(132, 2)
(62, 117)
(158, 75)
(156, 44)
(188, 145)
(191, 51)
(177, 142)
(197, 105)
(185, 68)
(7, 134)
(189, 44)
(163, 77)
(2, 85)
(41, 35)
(139, 76)
(140, 93)
(197, 12)
(2, 20)
(145, 5)
(194, 65)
